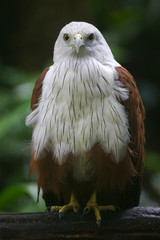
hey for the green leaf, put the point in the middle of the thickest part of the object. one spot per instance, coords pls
(13, 118)
(152, 161)
(20, 197)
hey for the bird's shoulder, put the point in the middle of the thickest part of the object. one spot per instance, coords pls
(37, 90)
(134, 100)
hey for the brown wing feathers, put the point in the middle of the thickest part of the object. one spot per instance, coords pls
(136, 116)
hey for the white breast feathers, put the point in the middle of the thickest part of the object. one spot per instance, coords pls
(80, 106)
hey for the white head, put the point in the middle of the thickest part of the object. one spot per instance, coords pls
(83, 40)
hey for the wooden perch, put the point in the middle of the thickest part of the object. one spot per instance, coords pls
(136, 223)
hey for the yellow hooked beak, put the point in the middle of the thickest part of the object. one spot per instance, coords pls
(78, 41)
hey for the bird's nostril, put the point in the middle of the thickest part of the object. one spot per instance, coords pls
(78, 35)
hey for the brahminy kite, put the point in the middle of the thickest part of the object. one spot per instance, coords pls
(88, 127)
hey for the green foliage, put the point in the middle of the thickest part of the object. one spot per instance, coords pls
(15, 94)
(152, 161)
(19, 195)
(20, 198)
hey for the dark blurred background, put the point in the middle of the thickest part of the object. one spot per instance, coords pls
(28, 30)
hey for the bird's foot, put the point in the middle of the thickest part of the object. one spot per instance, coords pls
(92, 205)
(72, 205)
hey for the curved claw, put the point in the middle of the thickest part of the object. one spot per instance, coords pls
(76, 209)
(98, 223)
(60, 215)
(86, 210)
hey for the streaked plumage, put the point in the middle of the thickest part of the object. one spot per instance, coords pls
(87, 118)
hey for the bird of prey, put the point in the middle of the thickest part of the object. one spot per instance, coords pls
(88, 127)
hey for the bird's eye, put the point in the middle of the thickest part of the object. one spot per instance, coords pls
(91, 37)
(65, 37)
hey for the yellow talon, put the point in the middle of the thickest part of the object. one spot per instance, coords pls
(72, 205)
(92, 204)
